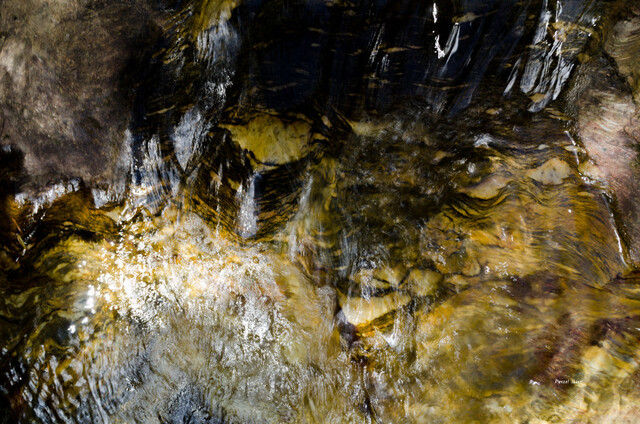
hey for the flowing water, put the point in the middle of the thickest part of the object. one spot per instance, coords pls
(358, 212)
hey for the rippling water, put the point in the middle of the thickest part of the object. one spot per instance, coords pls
(333, 212)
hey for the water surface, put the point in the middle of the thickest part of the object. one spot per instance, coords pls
(332, 212)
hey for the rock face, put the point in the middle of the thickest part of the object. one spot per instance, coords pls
(608, 127)
(623, 44)
(65, 100)
(604, 99)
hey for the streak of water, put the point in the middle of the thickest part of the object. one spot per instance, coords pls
(248, 213)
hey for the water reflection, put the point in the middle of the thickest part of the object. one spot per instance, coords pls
(307, 235)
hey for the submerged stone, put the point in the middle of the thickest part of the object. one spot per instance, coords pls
(488, 188)
(272, 141)
(361, 311)
(423, 282)
(551, 172)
